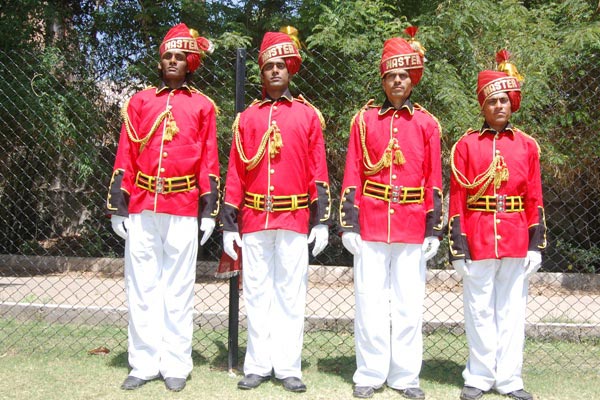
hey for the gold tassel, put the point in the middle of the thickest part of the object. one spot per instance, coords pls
(501, 173)
(399, 157)
(171, 129)
(387, 158)
(276, 142)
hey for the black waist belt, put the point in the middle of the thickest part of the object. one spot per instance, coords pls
(165, 185)
(275, 203)
(394, 194)
(498, 203)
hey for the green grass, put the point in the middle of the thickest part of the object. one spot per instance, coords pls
(61, 369)
(32, 298)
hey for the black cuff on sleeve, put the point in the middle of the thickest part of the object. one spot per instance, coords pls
(348, 212)
(459, 248)
(209, 203)
(228, 218)
(320, 209)
(117, 201)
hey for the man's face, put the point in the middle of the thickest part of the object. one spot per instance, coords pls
(496, 110)
(173, 65)
(274, 75)
(397, 85)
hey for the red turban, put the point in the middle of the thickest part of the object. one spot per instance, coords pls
(180, 37)
(400, 54)
(507, 80)
(279, 45)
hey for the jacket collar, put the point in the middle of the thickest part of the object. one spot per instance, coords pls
(487, 129)
(387, 106)
(285, 96)
(162, 87)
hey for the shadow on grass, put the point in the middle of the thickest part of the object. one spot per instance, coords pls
(198, 359)
(220, 359)
(435, 370)
(342, 366)
(120, 360)
(442, 371)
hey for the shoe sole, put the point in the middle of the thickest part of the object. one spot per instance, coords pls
(248, 387)
(175, 388)
(471, 397)
(131, 387)
(295, 390)
(413, 397)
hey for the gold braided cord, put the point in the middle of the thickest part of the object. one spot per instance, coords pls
(132, 134)
(251, 162)
(386, 159)
(497, 172)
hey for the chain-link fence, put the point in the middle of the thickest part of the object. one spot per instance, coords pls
(61, 267)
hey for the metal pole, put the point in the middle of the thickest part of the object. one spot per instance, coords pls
(234, 281)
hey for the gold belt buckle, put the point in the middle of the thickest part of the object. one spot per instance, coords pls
(269, 203)
(160, 185)
(395, 198)
(501, 203)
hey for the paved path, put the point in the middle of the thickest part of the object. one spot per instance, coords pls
(86, 297)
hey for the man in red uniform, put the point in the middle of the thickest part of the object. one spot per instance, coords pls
(496, 230)
(391, 219)
(277, 189)
(165, 177)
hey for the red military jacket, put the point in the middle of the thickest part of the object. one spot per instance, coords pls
(392, 180)
(277, 153)
(167, 158)
(506, 218)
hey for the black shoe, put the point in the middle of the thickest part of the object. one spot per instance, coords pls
(520, 394)
(252, 381)
(363, 392)
(175, 384)
(413, 393)
(132, 383)
(470, 393)
(293, 384)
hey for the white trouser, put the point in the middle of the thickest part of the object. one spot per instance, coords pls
(495, 299)
(160, 271)
(275, 277)
(389, 288)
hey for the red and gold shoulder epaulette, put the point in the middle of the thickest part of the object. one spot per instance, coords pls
(301, 99)
(470, 131)
(370, 104)
(419, 107)
(198, 91)
(532, 138)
